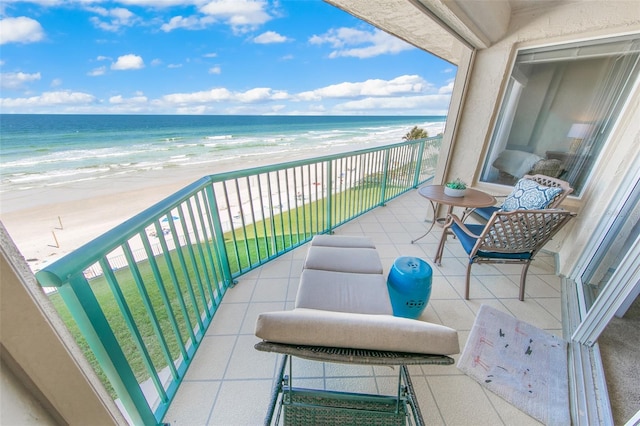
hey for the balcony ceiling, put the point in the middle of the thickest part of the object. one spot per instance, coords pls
(442, 27)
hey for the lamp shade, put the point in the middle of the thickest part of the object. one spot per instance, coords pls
(579, 130)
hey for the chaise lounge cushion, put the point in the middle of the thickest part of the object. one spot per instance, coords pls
(360, 331)
(342, 241)
(344, 259)
(343, 292)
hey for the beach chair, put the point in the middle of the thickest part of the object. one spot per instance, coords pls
(343, 314)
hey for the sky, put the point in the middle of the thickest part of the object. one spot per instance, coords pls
(286, 57)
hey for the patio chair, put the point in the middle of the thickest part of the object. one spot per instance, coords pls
(508, 237)
(485, 212)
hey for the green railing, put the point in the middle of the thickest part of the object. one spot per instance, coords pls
(143, 294)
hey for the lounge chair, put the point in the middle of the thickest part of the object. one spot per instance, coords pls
(343, 314)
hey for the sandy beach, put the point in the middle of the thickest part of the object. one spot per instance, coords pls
(48, 223)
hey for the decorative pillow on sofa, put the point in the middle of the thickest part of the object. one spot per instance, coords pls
(529, 195)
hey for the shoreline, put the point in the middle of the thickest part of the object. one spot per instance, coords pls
(48, 223)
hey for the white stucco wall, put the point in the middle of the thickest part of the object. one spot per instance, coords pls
(50, 381)
(572, 21)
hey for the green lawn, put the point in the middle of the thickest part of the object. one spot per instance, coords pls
(255, 243)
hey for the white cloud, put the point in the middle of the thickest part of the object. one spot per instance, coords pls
(215, 70)
(56, 82)
(156, 62)
(114, 19)
(16, 80)
(97, 72)
(20, 30)
(103, 58)
(213, 95)
(270, 37)
(256, 95)
(128, 62)
(260, 94)
(446, 90)
(429, 104)
(350, 42)
(153, 3)
(171, 66)
(188, 23)
(241, 15)
(49, 99)
(135, 100)
(406, 84)
(210, 55)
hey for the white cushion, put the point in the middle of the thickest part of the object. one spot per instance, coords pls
(529, 195)
(516, 163)
(360, 331)
(342, 241)
(343, 292)
(344, 259)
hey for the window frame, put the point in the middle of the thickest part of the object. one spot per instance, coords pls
(618, 107)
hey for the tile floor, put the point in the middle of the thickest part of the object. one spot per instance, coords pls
(229, 382)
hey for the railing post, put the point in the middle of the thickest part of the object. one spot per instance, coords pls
(418, 170)
(385, 176)
(219, 235)
(87, 313)
(329, 195)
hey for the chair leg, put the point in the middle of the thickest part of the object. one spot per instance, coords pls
(523, 278)
(466, 289)
(438, 259)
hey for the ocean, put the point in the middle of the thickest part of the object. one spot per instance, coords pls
(39, 151)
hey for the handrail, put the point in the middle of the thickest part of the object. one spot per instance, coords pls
(176, 259)
(54, 274)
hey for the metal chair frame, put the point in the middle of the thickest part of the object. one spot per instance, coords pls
(354, 408)
(508, 237)
(485, 212)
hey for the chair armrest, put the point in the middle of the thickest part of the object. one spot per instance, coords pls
(452, 218)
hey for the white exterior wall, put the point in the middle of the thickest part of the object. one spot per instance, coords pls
(572, 21)
(45, 378)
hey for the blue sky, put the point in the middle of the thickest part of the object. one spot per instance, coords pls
(210, 57)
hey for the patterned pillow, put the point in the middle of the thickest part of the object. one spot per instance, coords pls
(529, 195)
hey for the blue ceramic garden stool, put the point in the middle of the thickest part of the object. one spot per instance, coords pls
(409, 285)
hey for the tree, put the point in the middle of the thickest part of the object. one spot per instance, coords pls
(416, 133)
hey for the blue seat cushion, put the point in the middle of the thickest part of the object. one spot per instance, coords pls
(485, 212)
(468, 242)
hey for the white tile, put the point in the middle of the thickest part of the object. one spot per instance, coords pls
(212, 358)
(462, 401)
(500, 286)
(249, 363)
(241, 292)
(240, 403)
(229, 382)
(193, 404)
(256, 308)
(454, 313)
(352, 384)
(530, 311)
(228, 318)
(536, 287)
(271, 290)
(509, 414)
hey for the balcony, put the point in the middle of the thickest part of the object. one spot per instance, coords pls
(229, 382)
(187, 278)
